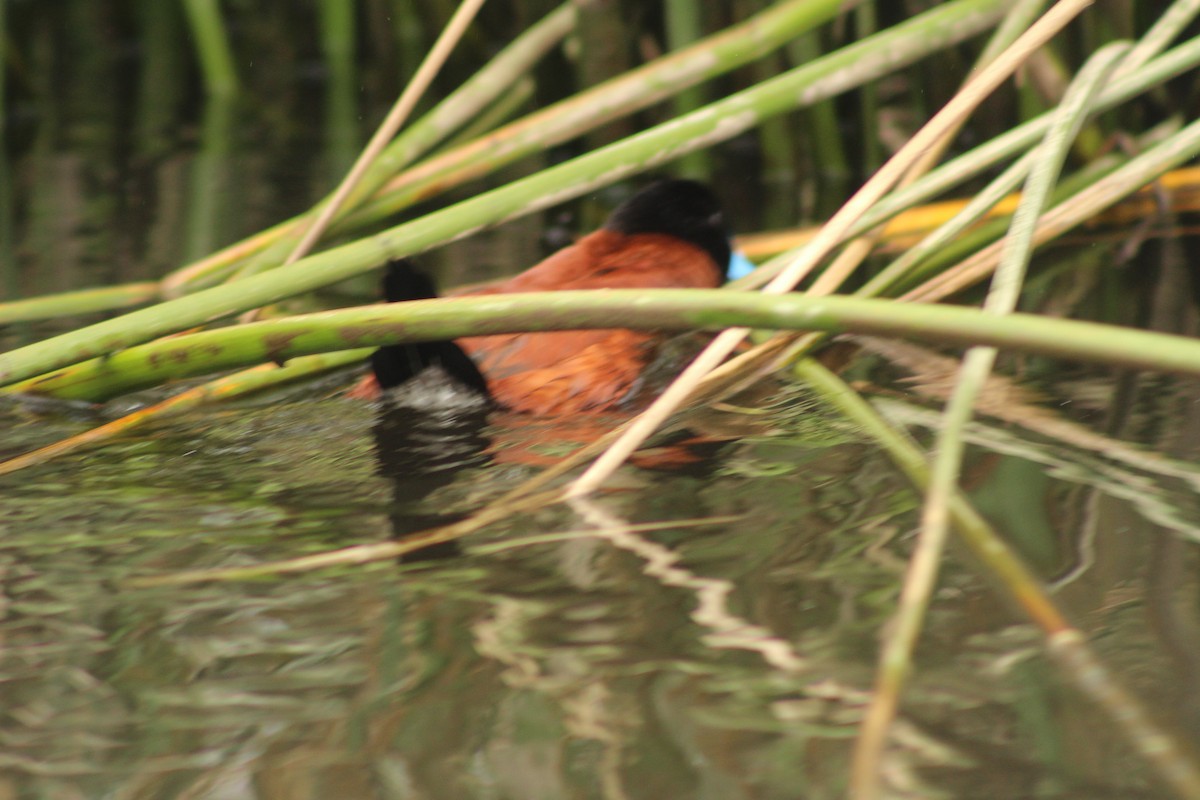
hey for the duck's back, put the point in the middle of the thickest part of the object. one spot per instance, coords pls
(572, 371)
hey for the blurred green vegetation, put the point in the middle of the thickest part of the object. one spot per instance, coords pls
(108, 126)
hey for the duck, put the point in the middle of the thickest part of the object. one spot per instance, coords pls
(671, 234)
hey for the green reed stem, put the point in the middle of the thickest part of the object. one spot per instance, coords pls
(944, 25)
(1065, 644)
(921, 579)
(504, 109)
(570, 118)
(615, 98)
(337, 33)
(1084, 204)
(866, 22)
(646, 309)
(83, 301)
(1175, 62)
(463, 105)
(828, 149)
(354, 181)
(212, 46)
(255, 379)
(685, 26)
(1173, 21)
(1180, 60)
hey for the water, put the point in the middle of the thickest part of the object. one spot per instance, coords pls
(512, 667)
(725, 657)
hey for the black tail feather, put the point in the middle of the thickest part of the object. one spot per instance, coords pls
(397, 364)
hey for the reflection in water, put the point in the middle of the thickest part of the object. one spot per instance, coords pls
(428, 431)
(536, 670)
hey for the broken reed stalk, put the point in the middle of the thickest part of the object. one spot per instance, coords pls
(833, 232)
(387, 130)
(895, 659)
